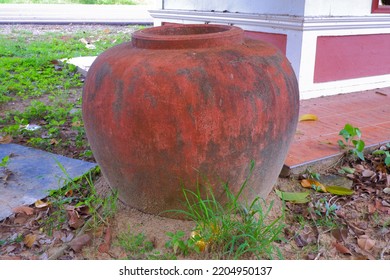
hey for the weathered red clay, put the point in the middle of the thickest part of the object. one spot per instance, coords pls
(183, 103)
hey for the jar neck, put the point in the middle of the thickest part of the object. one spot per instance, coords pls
(187, 36)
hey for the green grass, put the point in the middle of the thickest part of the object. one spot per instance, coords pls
(79, 193)
(228, 231)
(31, 74)
(94, 2)
(138, 247)
(29, 64)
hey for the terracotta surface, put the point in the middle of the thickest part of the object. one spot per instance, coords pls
(165, 112)
(317, 140)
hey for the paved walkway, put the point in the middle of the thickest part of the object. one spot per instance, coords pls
(74, 13)
(316, 141)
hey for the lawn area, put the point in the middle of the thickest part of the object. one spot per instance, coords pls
(40, 96)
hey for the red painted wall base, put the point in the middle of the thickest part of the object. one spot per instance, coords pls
(349, 57)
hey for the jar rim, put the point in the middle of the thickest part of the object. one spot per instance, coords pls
(179, 36)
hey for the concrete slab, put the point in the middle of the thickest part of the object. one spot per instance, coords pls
(34, 173)
(82, 63)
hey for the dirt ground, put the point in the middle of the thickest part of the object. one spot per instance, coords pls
(360, 230)
(355, 234)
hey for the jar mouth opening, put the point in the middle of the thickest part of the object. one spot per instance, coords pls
(187, 36)
(186, 30)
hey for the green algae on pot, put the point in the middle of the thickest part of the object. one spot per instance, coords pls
(182, 103)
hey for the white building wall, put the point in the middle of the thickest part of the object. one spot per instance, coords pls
(287, 7)
(280, 7)
(337, 8)
(301, 20)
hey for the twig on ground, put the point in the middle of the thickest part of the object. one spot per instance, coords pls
(342, 157)
(101, 218)
(318, 256)
(319, 233)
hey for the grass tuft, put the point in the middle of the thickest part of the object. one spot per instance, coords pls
(232, 230)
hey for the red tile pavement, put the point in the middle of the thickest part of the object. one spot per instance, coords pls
(317, 140)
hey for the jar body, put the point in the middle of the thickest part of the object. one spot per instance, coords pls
(162, 119)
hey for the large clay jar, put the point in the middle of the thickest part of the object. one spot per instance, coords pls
(189, 106)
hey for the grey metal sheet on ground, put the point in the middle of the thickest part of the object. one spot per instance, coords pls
(34, 173)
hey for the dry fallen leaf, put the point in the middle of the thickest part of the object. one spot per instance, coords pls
(79, 242)
(385, 203)
(58, 235)
(308, 117)
(360, 257)
(306, 183)
(368, 173)
(340, 234)
(310, 183)
(68, 237)
(359, 168)
(381, 168)
(371, 208)
(5, 139)
(380, 206)
(201, 244)
(83, 210)
(300, 241)
(29, 240)
(365, 242)
(41, 204)
(21, 219)
(74, 219)
(105, 247)
(76, 124)
(341, 248)
(10, 248)
(23, 209)
(69, 193)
